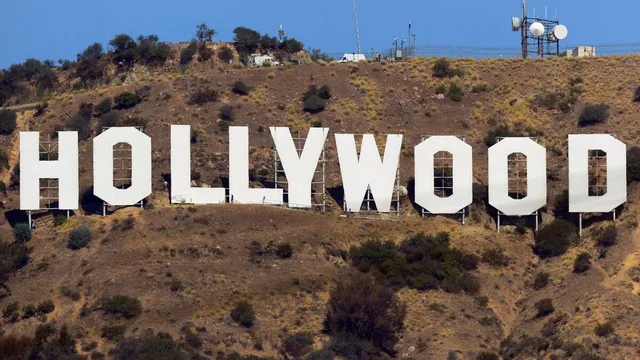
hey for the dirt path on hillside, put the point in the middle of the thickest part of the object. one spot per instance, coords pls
(22, 124)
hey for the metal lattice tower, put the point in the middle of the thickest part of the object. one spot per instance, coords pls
(355, 16)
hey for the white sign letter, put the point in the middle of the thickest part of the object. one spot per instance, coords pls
(181, 189)
(65, 169)
(368, 171)
(299, 169)
(239, 172)
(579, 199)
(499, 176)
(462, 175)
(140, 166)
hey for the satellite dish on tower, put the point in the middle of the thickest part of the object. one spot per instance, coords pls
(536, 29)
(516, 23)
(560, 32)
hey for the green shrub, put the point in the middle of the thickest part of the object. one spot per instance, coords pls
(79, 237)
(86, 110)
(421, 262)
(243, 313)
(46, 307)
(441, 89)
(22, 232)
(298, 344)
(593, 114)
(544, 307)
(203, 96)
(555, 238)
(149, 346)
(7, 122)
(123, 305)
(226, 113)
(495, 257)
(366, 310)
(605, 329)
(455, 92)
(240, 88)
(204, 52)
(176, 285)
(582, 263)
(541, 280)
(59, 220)
(478, 88)
(607, 236)
(126, 100)
(284, 251)
(113, 332)
(124, 225)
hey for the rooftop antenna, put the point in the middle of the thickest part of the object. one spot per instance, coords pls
(355, 16)
(545, 13)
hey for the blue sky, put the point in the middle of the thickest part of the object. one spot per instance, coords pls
(61, 29)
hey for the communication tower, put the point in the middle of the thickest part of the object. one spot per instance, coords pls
(281, 33)
(355, 16)
(537, 35)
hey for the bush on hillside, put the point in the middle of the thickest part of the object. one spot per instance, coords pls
(41, 109)
(203, 96)
(113, 332)
(225, 54)
(240, 88)
(226, 113)
(370, 312)
(487, 356)
(441, 68)
(633, 164)
(149, 346)
(80, 124)
(109, 119)
(605, 329)
(606, 236)
(593, 114)
(541, 280)
(13, 256)
(298, 344)
(544, 307)
(46, 307)
(7, 122)
(122, 305)
(636, 97)
(582, 263)
(421, 262)
(243, 314)
(555, 238)
(324, 92)
(86, 110)
(455, 92)
(284, 251)
(126, 100)
(186, 55)
(204, 52)
(440, 89)
(22, 232)
(79, 238)
(4, 161)
(495, 257)
(314, 104)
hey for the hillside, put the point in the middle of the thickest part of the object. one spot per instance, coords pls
(189, 266)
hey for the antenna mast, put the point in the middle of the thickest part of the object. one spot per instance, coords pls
(355, 16)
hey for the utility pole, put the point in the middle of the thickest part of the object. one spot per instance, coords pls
(409, 38)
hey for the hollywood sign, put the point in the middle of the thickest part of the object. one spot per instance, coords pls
(359, 170)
